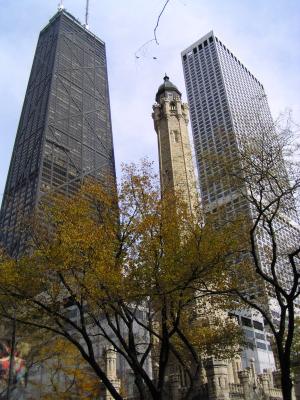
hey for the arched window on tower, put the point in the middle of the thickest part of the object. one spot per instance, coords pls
(172, 106)
(176, 136)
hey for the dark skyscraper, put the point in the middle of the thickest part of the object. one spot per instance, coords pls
(64, 133)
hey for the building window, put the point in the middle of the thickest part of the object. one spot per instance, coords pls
(260, 336)
(176, 136)
(258, 325)
(172, 106)
(246, 321)
(261, 346)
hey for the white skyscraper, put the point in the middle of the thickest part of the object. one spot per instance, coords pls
(228, 106)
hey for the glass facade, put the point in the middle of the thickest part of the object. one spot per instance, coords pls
(223, 97)
(64, 132)
(228, 107)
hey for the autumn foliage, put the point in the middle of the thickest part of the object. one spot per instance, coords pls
(142, 273)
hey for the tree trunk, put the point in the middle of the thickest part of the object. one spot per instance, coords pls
(286, 381)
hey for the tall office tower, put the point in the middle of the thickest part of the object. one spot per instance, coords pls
(224, 97)
(228, 106)
(64, 133)
(170, 116)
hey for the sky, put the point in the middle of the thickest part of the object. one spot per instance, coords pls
(263, 34)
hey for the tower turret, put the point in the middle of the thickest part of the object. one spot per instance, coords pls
(176, 167)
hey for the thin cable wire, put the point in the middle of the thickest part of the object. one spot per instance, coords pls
(154, 32)
(157, 23)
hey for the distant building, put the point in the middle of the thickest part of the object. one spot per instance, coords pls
(64, 132)
(228, 105)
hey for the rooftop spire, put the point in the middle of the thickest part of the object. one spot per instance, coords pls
(87, 14)
(60, 5)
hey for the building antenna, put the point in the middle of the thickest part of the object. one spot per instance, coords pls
(60, 5)
(87, 14)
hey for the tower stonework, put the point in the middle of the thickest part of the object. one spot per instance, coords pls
(170, 116)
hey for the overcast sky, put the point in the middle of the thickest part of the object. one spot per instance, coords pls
(263, 34)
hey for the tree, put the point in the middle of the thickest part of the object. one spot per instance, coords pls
(263, 175)
(68, 376)
(296, 348)
(134, 276)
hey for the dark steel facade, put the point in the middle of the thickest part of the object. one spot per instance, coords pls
(64, 132)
